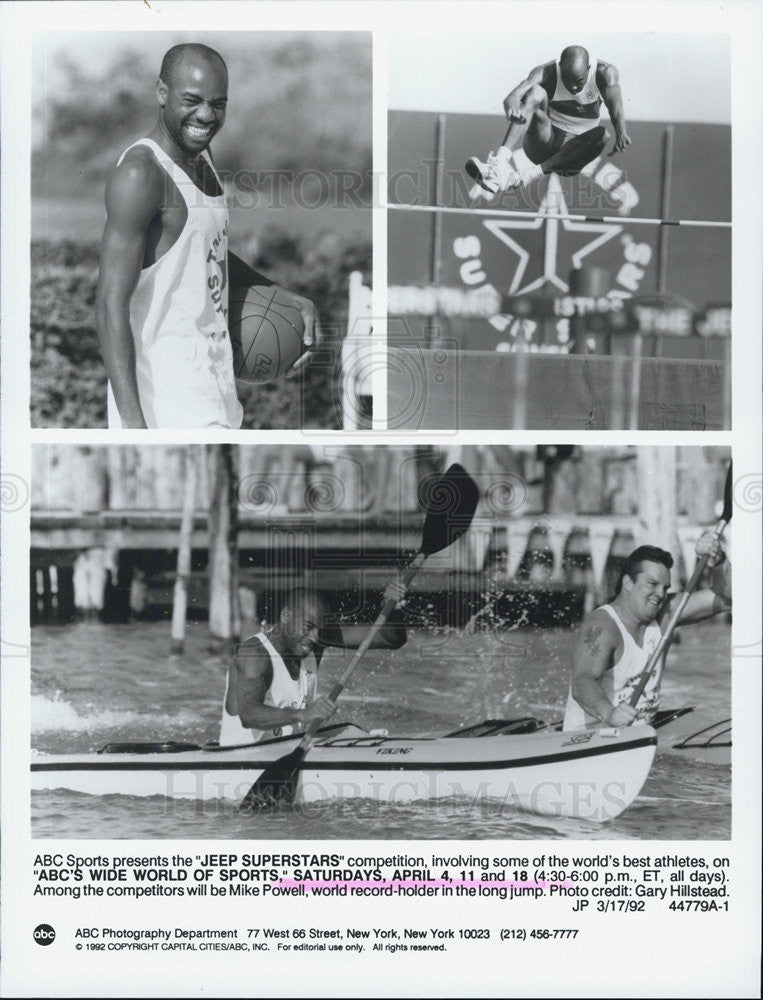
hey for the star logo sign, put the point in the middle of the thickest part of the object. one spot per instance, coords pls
(563, 242)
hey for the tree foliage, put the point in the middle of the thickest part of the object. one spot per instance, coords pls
(68, 381)
(298, 102)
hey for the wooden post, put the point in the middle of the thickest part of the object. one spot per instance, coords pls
(65, 593)
(657, 494)
(634, 395)
(224, 616)
(180, 594)
(47, 595)
(217, 573)
(434, 327)
(439, 153)
(90, 580)
(34, 608)
(231, 472)
(665, 183)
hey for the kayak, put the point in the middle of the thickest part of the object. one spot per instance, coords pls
(690, 733)
(694, 735)
(591, 775)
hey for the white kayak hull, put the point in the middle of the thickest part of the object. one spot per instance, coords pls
(590, 775)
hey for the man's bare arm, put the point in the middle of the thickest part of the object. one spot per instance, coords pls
(704, 604)
(256, 715)
(133, 197)
(608, 82)
(392, 636)
(596, 644)
(512, 103)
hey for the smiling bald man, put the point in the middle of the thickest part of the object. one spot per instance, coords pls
(165, 268)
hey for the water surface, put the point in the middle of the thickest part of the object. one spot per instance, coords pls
(92, 683)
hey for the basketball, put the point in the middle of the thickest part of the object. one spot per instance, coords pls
(266, 333)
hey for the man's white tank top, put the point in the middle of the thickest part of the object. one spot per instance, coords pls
(576, 113)
(618, 682)
(284, 692)
(179, 318)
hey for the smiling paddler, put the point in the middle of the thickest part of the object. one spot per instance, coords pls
(615, 641)
(272, 683)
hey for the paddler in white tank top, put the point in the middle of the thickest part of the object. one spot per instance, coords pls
(556, 105)
(165, 271)
(272, 685)
(288, 694)
(616, 640)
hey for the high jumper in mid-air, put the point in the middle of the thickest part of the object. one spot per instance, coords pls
(553, 118)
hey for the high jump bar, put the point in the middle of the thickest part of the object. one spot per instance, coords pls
(619, 219)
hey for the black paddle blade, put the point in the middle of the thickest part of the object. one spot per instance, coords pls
(276, 785)
(728, 497)
(450, 501)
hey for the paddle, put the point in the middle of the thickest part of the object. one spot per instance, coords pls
(699, 569)
(450, 506)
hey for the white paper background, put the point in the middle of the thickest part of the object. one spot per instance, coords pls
(712, 955)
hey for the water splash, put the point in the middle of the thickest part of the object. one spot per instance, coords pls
(58, 715)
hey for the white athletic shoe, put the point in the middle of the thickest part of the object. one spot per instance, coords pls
(483, 173)
(488, 175)
(497, 174)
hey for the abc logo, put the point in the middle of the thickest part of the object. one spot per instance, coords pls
(44, 934)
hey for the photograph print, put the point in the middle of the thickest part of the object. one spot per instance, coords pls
(559, 231)
(354, 642)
